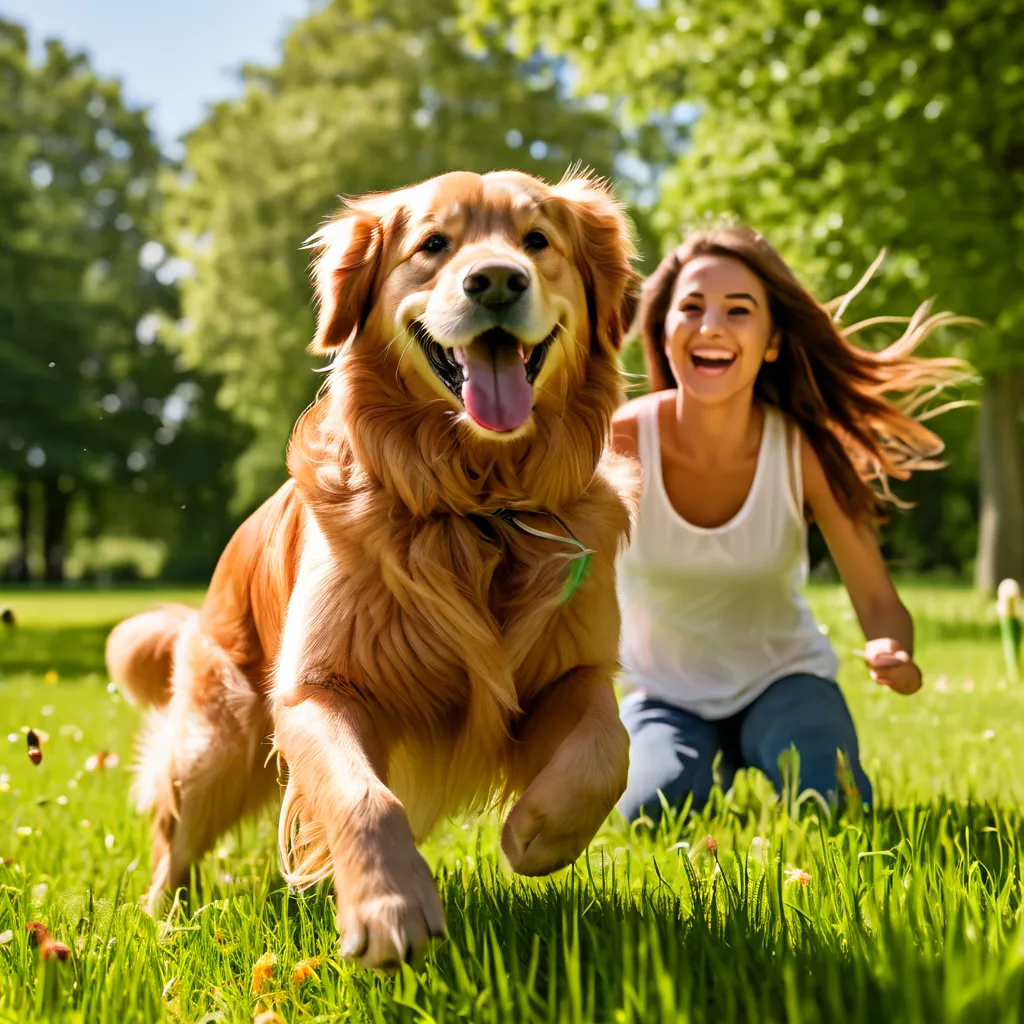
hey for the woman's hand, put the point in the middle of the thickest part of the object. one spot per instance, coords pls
(879, 610)
(892, 666)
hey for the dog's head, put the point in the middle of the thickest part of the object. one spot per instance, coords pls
(485, 310)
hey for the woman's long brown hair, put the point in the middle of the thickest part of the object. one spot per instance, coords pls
(860, 410)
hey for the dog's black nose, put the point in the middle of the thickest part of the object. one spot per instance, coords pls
(495, 285)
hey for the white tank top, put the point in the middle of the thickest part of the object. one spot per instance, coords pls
(711, 617)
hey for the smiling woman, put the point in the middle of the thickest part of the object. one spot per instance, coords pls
(764, 416)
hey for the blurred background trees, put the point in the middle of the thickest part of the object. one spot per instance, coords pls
(154, 315)
(101, 431)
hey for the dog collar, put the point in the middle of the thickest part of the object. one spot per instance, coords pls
(579, 558)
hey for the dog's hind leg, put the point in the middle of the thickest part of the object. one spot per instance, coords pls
(203, 760)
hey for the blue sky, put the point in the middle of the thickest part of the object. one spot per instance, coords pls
(173, 57)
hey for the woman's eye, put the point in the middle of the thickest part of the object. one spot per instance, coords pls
(535, 241)
(691, 307)
(739, 310)
(435, 244)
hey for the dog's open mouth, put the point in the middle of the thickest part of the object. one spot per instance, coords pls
(492, 377)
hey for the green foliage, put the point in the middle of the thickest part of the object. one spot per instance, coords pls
(95, 410)
(915, 914)
(365, 98)
(83, 168)
(836, 130)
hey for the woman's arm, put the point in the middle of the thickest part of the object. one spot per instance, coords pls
(887, 624)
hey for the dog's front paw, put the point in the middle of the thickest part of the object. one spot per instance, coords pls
(542, 836)
(562, 809)
(534, 848)
(389, 914)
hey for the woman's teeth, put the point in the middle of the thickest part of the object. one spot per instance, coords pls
(712, 362)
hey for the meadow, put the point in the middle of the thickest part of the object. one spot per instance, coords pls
(758, 910)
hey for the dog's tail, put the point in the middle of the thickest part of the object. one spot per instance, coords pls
(140, 653)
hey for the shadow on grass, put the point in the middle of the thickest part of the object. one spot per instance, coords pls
(70, 651)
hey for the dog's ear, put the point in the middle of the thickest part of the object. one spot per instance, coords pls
(348, 257)
(603, 239)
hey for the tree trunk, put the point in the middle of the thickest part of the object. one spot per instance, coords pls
(17, 569)
(1001, 512)
(55, 524)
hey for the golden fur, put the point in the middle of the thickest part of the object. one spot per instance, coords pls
(405, 651)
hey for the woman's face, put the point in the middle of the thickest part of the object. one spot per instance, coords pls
(718, 331)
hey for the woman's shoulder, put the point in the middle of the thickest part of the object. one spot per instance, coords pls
(812, 481)
(626, 420)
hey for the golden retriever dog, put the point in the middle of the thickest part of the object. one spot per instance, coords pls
(398, 622)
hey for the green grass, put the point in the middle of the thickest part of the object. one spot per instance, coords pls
(912, 915)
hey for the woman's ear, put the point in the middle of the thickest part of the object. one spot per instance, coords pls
(774, 345)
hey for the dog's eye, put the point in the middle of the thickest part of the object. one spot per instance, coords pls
(435, 244)
(535, 241)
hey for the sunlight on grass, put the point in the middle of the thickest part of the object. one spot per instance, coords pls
(912, 914)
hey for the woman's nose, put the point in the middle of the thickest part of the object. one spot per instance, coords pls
(711, 323)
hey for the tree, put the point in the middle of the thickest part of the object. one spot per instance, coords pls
(365, 98)
(85, 381)
(838, 131)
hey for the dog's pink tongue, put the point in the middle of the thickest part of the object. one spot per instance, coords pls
(495, 392)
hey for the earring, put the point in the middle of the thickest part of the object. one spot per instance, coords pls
(771, 355)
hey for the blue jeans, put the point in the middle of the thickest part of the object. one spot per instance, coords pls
(672, 751)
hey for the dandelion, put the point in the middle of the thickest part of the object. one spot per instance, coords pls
(100, 760)
(306, 969)
(51, 677)
(49, 947)
(798, 875)
(5, 787)
(23, 832)
(702, 848)
(988, 734)
(262, 971)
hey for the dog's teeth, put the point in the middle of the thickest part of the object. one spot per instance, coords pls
(522, 352)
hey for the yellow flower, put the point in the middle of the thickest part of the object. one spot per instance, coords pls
(262, 971)
(51, 676)
(305, 969)
(25, 831)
